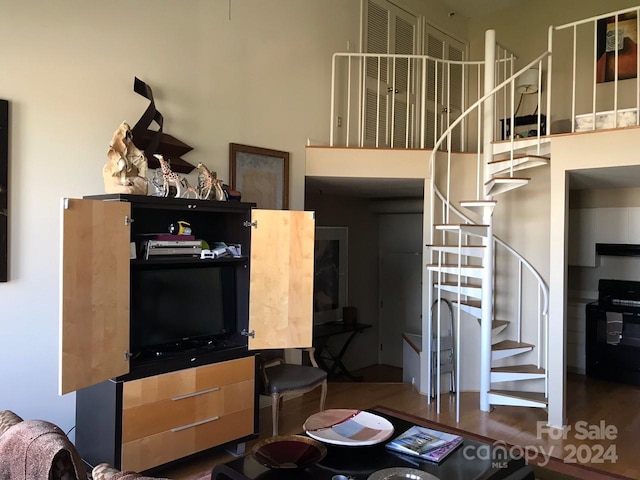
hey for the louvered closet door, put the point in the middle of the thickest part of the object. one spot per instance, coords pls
(445, 94)
(389, 103)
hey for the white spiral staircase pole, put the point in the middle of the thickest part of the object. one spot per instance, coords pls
(487, 283)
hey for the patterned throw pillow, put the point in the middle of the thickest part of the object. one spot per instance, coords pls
(7, 420)
(104, 471)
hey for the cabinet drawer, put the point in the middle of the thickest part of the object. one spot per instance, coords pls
(182, 411)
(186, 382)
(164, 447)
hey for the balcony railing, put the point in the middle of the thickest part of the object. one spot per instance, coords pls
(406, 101)
(595, 70)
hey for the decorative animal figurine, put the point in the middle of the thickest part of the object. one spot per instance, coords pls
(170, 177)
(126, 169)
(210, 184)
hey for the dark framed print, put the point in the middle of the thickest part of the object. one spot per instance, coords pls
(261, 175)
(617, 41)
(4, 190)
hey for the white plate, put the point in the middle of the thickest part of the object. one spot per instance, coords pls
(348, 427)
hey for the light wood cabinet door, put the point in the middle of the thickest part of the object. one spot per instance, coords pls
(94, 292)
(281, 283)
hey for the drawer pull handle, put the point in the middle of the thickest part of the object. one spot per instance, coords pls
(195, 394)
(201, 422)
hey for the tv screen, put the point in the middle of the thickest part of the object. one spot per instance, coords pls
(179, 306)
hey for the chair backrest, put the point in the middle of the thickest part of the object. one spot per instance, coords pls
(263, 359)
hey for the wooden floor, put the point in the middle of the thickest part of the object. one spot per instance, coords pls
(588, 400)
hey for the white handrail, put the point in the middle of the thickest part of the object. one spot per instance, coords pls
(595, 96)
(478, 102)
(418, 68)
(449, 208)
(511, 250)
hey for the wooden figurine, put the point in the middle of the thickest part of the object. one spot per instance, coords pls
(170, 178)
(211, 187)
(126, 169)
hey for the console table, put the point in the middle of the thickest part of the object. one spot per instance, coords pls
(321, 335)
(360, 462)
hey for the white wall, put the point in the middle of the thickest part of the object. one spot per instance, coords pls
(573, 153)
(247, 71)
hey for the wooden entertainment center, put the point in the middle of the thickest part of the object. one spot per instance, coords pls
(141, 408)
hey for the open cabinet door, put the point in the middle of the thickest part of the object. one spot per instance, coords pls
(281, 283)
(94, 292)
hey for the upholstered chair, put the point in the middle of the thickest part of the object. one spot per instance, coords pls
(280, 378)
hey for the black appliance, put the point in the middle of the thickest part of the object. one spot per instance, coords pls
(613, 332)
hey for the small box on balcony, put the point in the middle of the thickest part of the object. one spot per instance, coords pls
(626, 118)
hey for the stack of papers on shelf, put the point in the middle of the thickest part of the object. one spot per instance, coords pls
(428, 444)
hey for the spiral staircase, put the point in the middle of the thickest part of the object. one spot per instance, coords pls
(462, 266)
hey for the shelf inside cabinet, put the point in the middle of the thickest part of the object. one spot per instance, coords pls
(191, 261)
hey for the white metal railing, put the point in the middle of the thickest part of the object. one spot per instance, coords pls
(508, 83)
(355, 92)
(403, 101)
(448, 209)
(598, 43)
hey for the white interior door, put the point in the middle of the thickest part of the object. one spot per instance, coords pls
(400, 303)
(445, 87)
(389, 103)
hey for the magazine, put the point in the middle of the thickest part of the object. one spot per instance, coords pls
(428, 444)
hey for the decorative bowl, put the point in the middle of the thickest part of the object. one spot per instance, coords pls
(347, 427)
(398, 473)
(288, 452)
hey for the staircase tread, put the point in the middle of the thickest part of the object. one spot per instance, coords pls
(452, 265)
(519, 369)
(472, 225)
(518, 157)
(535, 396)
(496, 178)
(507, 344)
(470, 303)
(455, 284)
(479, 202)
(452, 245)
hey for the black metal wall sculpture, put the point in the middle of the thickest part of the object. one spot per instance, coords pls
(156, 141)
(4, 190)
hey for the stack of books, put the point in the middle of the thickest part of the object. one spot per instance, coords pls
(428, 444)
(154, 245)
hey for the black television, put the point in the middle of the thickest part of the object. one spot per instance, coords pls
(180, 308)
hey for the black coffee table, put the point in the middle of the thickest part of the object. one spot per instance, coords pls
(360, 462)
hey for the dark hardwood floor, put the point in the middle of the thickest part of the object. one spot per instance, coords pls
(594, 402)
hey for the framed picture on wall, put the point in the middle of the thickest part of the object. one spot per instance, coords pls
(261, 175)
(619, 38)
(330, 275)
(4, 190)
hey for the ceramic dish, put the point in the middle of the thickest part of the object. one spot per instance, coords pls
(348, 427)
(398, 473)
(288, 452)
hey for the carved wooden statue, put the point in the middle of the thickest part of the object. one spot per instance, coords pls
(170, 177)
(210, 187)
(126, 169)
